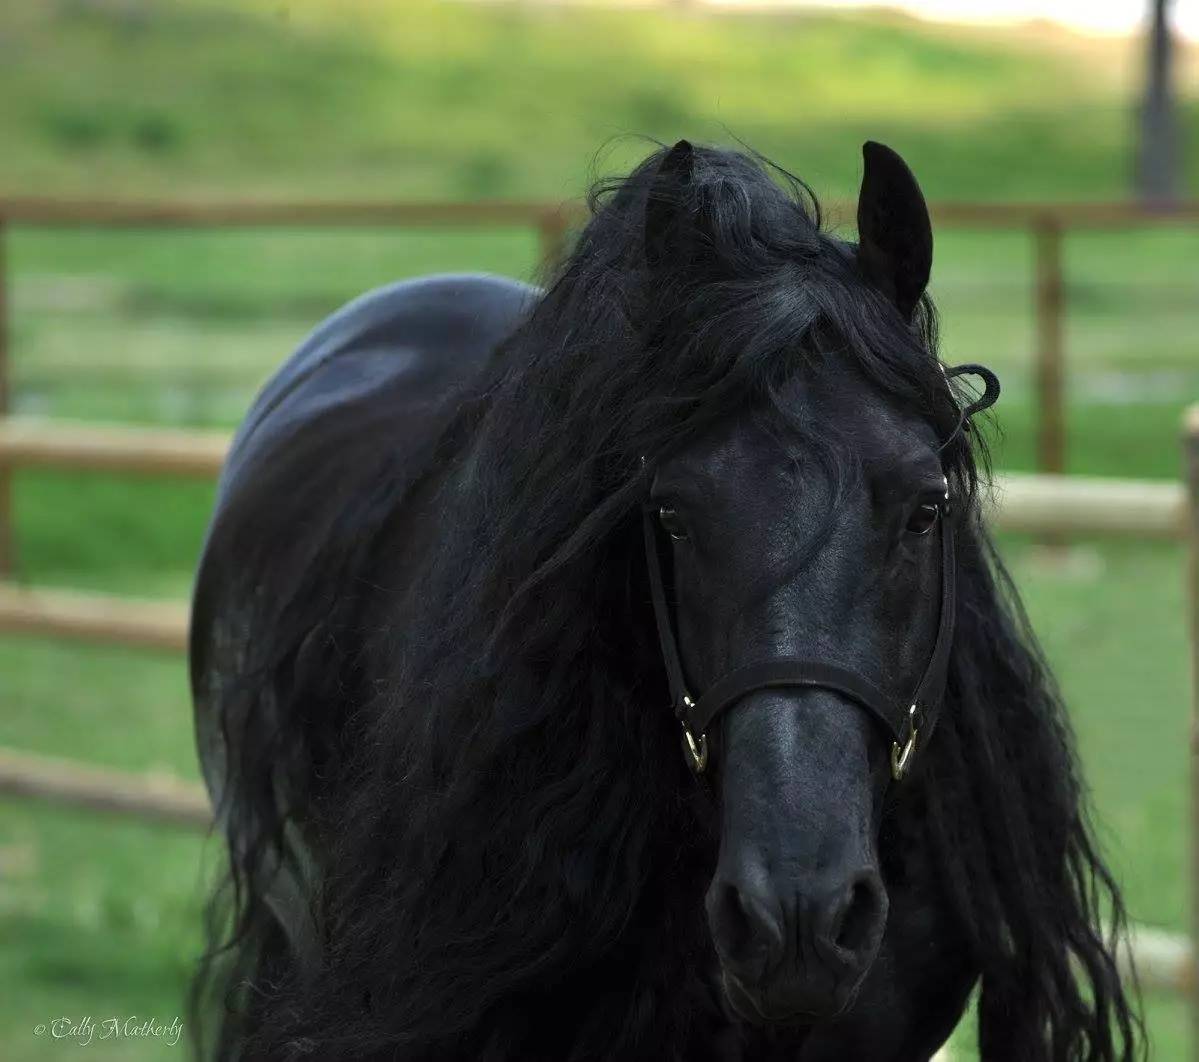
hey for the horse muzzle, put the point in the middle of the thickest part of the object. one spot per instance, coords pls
(801, 962)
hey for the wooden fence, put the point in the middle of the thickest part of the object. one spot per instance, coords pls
(1046, 223)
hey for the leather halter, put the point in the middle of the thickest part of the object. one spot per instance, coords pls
(901, 719)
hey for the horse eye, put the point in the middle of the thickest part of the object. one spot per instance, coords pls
(923, 519)
(671, 524)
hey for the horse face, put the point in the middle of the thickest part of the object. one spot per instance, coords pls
(781, 550)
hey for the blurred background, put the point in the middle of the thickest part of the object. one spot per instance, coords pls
(188, 186)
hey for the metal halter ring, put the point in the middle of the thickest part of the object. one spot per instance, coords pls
(900, 760)
(697, 751)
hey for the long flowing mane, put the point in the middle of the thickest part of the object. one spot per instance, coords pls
(500, 806)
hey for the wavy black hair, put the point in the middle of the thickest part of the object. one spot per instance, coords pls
(495, 849)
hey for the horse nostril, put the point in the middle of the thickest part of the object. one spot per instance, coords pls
(746, 935)
(856, 919)
(854, 924)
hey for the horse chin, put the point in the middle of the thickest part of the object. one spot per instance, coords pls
(759, 1007)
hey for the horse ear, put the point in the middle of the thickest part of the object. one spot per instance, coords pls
(895, 236)
(662, 204)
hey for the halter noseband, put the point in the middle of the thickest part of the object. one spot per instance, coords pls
(902, 719)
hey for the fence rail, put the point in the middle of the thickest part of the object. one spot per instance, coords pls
(100, 618)
(156, 798)
(199, 213)
(1088, 505)
(37, 443)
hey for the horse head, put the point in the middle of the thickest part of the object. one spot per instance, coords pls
(811, 600)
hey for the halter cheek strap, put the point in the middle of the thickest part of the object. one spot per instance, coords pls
(901, 719)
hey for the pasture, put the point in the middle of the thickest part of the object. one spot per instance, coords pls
(435, 100)
(159, 327)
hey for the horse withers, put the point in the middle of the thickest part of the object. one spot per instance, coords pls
(621, 670)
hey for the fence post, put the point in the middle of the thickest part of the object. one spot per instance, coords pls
(552, 228)
(8, 543)
(1049, 370)
(1190, 444)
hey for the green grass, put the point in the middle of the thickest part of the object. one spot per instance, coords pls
(450, 100)
(1112, 621)
(98, 917)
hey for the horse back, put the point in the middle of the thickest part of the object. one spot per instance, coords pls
(327, 453)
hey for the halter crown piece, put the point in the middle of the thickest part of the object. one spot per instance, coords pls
(902, 719)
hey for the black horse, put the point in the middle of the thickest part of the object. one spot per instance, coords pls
(474, 540)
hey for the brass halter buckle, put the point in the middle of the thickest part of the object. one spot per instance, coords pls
(901, 759)
(697, 750)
